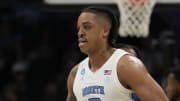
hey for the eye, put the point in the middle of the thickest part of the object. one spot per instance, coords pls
(87, 27)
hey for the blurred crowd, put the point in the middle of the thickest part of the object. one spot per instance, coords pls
(38, 47)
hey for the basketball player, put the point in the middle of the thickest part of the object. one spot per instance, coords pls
(107, 74)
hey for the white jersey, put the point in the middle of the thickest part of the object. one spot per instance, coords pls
(103, 84)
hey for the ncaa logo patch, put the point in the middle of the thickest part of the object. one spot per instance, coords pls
(82, 74)
(83, 71)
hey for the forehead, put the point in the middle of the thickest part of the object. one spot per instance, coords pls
(86, 17)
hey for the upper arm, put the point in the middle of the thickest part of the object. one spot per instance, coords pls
(70, 82)
(133, 73)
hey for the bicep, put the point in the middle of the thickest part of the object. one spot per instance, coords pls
(147, 89)
(134, 74)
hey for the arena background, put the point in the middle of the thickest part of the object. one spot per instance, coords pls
(38, 46)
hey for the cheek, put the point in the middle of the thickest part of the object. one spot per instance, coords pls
(171, 87)
(93, 35)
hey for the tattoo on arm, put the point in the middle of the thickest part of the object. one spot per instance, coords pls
(71, 77)
(71, 98)
(74, 70)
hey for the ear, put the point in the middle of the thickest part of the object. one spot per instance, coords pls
(106, 30)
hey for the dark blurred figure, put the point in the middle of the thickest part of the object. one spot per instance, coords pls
(173, 84)
(19, 70)
(159, 54)
(9, 93)
(129, 48)
(51, 91)
(15, 89)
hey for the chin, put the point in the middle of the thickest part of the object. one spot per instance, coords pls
(84, 51)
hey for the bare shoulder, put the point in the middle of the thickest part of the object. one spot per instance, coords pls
(129, 69)
(129, 62)
(132, 73)
(72, 75)
(74, 70)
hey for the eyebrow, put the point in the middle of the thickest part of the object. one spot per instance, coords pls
(85, 23)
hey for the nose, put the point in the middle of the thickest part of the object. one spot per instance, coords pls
(81, 33)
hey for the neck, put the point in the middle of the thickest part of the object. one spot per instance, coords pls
(98, 58)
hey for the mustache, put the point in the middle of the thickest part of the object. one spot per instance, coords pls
(82, 39)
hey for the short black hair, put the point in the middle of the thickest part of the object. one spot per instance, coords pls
(110, 14)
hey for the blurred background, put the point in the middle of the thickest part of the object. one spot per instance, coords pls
(38, 45)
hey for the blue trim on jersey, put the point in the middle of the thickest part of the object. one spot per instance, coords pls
(134, 97)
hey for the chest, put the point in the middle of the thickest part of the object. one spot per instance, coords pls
(99, 82)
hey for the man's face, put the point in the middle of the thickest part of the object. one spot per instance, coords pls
(171, 88)
(90, 32)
